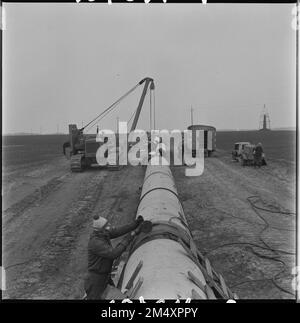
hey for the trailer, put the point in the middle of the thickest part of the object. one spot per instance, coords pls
(210, 139)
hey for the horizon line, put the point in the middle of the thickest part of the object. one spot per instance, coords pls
(220, 130)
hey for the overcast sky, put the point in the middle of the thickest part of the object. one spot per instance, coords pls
(65, 63)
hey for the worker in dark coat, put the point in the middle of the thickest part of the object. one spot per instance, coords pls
(101, 254)
(258, 155)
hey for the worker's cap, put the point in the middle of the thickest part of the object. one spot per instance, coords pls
(99, 222)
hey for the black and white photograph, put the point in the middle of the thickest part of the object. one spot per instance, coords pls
(149, 152)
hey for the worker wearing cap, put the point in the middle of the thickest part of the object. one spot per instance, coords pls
(101, 254)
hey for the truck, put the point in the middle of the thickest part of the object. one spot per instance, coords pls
(243, 152)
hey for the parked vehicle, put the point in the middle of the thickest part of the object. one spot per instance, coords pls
(244, 153)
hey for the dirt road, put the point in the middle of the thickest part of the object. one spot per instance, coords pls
(46, 227)
(48, 212)
(233, 234)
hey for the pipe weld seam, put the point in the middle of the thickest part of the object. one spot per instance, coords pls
(157, 188)
(156, 172)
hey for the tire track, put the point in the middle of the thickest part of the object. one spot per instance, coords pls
(33, 199)
(48, 233)
(218, 212)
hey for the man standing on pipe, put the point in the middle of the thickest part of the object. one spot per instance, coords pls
(101, 254)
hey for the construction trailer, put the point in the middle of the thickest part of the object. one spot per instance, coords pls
(165, 262)
(210, 138)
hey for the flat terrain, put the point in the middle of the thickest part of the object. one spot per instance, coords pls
(47, 214)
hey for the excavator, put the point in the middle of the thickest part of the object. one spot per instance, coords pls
(81, 148)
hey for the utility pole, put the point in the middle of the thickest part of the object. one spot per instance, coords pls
(150, 111)
(192, 116)
(154, 121)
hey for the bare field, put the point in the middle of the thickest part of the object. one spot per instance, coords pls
(277, 144)
(20, 150)
(47, 212)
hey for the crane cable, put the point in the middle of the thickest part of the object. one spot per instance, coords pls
(111, 107)
(152, 109)
(134, 112)
(103, 116)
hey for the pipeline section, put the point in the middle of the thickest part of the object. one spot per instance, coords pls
(165, 263)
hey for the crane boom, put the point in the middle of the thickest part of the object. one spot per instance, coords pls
(83, 147)
(148, 81)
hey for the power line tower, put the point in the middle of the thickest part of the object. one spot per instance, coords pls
(264, 122)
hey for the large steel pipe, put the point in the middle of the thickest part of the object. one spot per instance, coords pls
(162, 264)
